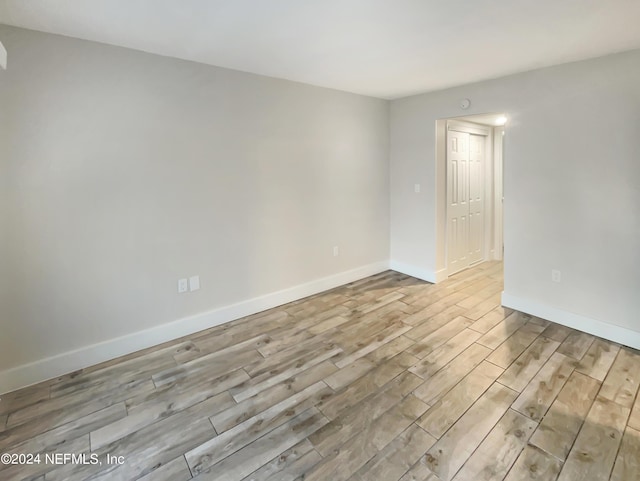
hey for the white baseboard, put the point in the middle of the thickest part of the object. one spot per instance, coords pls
(418, 273)
(441, 275)
(602, 329)
(44, 369)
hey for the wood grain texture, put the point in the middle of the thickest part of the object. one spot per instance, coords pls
(451, 451)
(385, 378)
(527, 365)
(289, 465)
(441, 356)
(503, 330)
(594, 452)
(446, 411)
(255, 455)
(420, 472)
(176, 470)
(533, 464)
(536, 398)
(397, 457)
(509, 350)
(576, 345)
(634, 419)
(627, 467)
(557, 332)
(447, 377)
(341, 463)
(621, 383)
(491, 319)
(561, 424)
(598, 359)
(499, 450)
(236, 438)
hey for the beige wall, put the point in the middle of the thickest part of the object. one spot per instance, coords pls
(572, 196)
(124, 171)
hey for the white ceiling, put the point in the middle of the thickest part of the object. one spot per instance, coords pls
(383, 48)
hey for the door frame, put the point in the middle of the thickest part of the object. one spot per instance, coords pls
(490, 230)
(498, 192)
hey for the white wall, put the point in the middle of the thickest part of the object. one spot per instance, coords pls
(572, 188)
(124, 171)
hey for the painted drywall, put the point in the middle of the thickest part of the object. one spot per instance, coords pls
(125, 171)
(572, 184)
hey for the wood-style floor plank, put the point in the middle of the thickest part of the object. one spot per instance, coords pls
(499, 450)
(176, 470)
(533, 464)
(557, 332)
(388, 378)
(171, 437)
(250, 458)
(594, 452)
(507, 352)
(527, 365)
(368, 384)
(238, 437)
(441, 356)
(627, 467)
(446, 378)
(420, 472)
(491, 319)
(634, 419)
(240, 412)
(289, 465)
(503, 330)
(358, 450)
(354, 419)
(439, 337)
(17, 400)
(536, 398)
(621, 383)
(598, 359)
(576, 344)
(448, 409)
(452, 450)
(397, 457)
(560, 426)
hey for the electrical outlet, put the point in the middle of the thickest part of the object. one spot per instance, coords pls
(556, 275)
(416, 188)
(336, 251)
(194, 283)
(182, 286)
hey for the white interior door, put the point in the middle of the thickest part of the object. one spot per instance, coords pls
(465, 199)
(457, 200)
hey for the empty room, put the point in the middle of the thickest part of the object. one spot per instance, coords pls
(249, 240)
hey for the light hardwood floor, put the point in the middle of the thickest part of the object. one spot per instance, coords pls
(388, 378)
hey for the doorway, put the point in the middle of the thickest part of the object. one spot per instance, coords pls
(469, 198)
